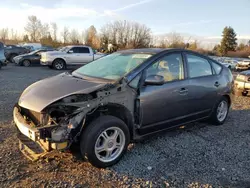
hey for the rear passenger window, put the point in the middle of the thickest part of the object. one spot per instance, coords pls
(84, 50)
(198, 66)
(217, 68)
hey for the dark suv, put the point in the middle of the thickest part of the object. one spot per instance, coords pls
(2, 56)
(12, 51)
(121, 98)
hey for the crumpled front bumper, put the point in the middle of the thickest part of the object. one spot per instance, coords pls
(30, 143)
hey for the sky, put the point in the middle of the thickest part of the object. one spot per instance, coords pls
(204, 19)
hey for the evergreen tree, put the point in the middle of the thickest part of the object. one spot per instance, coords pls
(228, 42)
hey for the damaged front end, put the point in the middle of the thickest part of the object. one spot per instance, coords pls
(60, 124)
(54, 128)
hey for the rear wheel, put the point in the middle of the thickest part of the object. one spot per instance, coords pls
(59, 64)
(220, 112)
(105, 141)
(26, 63)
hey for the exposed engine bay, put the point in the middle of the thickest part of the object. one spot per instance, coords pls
(64, 120)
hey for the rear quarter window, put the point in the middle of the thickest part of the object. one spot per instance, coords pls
(217, 68)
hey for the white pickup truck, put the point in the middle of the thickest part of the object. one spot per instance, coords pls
(69, 55)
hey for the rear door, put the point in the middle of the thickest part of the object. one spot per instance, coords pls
(203, 84)
(2, 56)
(85, 55)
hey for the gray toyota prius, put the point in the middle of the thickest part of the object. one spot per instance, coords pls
(121, 98)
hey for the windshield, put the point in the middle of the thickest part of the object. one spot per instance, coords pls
(64, 49)
(112, 66)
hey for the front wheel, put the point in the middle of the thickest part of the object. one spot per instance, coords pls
(105, 141)
(220, 112)
(26, 63)
(59, 64)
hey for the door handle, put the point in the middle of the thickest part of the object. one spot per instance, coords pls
(216, 84)
(183, 91)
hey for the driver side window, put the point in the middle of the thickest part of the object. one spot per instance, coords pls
(170, 67)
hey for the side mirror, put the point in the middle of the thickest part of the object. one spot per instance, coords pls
(154, 80)
(70, 51)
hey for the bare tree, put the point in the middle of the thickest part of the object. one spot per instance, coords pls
(54, 30)
(74, 36)
(4, 33)
(65, 34)
(33, 28)
(44, 30)
(126, 34)
(91, 37)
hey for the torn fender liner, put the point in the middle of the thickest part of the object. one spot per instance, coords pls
(42, 93)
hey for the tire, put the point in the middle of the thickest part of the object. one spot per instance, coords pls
(59, 64)
(11, 59)
(94, 135)
(26, 63)
(244, 94)
(215, 117)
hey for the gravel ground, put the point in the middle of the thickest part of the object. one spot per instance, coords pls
(199, 155)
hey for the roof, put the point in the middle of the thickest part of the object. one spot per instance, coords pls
(144, 50)
(71, 46)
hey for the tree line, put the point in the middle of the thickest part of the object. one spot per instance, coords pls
(121, 34)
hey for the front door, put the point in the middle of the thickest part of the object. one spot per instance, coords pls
(162, 106)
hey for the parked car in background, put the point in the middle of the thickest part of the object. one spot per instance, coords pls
(225, 64)
(2, 56)
(49, 48)
(32, 46)
(243, 65)
(12, 51)
(32, 58)
(242, 83)
(121, 98)
(69, 55)
(232, 63)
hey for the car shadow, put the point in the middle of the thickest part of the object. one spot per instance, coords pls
(196, 153)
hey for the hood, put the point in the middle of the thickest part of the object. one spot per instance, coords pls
(23, 55)
(43, 93)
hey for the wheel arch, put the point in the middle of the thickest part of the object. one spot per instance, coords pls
(59, 58)
(228, 99)
(116, 110)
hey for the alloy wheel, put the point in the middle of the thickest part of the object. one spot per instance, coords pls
(222, 111)
(110, 144)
